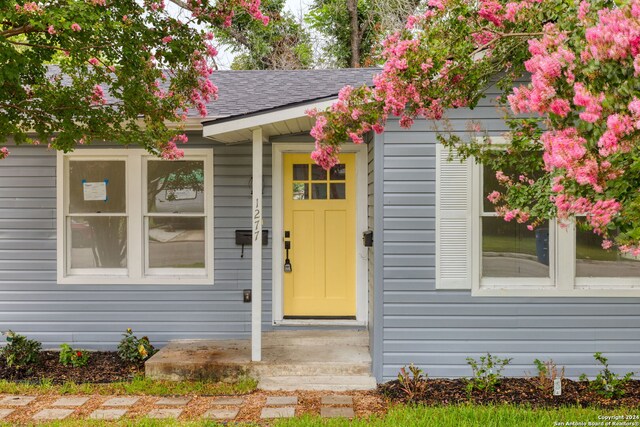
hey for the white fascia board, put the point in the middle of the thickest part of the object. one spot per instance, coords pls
(258, 120)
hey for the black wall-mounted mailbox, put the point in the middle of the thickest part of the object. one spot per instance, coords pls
(367, 238)
(245, 237)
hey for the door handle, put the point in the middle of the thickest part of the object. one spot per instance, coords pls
(287, 263)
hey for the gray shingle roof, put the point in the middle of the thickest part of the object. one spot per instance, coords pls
(247, 92)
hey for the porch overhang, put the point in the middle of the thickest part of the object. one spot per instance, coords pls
(256, 128)
(283, 120)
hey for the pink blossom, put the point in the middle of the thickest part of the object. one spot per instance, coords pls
(438, 4)
(607, 244)
(491, 10)
(494, 196)
(4, 153)
(51, 30)
(377, 128)
(97, 98)
(167, 39)
(501, 177)
(583, 10)
(170, 151)
(592, 104)
(560, 107)
(94, 62)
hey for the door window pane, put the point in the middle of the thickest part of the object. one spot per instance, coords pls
(300, 191)
(98, 242)
(97, 186)
(301, 172)
(338, 173)
(318, 173)
(338, 191)
(509, 249)
(593, 261)
(176, 242)
(319, 191)
(176, 186)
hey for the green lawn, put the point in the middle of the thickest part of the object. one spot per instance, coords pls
(467, 416)
(408, 416)
(137, 386)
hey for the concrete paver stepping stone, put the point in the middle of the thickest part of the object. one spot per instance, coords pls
(53, 414)
(164, 413)
(107, 414)
(70, 402)
(282, 400)
(282, 412)
(121, 401)
(16, 400)
(222, 414)
(4, 413)
(174, 401)
(337, 399)
(337, 412)
(228, 401)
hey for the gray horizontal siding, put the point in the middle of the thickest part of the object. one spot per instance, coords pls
(94, 316)
(438, 329)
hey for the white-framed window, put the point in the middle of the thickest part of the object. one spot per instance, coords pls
(126, 217)
(477, 250)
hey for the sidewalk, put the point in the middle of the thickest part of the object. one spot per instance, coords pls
(258, 406)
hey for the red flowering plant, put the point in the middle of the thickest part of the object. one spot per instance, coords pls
(574, 124)
(123, 70)
(73, 357)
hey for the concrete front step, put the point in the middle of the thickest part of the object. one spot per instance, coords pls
(291, 360)
(260, 370)
(355, 338)
(318, 382)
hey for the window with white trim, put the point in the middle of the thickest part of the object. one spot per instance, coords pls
(477, 250)
(125, 216)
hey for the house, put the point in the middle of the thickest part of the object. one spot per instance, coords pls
(107, 238)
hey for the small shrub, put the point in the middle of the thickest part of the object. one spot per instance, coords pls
(20, 352)
(133, 349)
(606, 383)
(75, 358)
(413, 382)
(547, 374)
(486, 373)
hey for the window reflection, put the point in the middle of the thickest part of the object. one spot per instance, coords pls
(509, 249)
(176, 242)
(593, 261)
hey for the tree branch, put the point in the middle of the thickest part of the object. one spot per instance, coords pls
(501, 36)
(18, 30)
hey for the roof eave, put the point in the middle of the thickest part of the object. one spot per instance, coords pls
(210, 129)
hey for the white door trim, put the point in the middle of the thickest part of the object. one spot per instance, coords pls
(362, 288)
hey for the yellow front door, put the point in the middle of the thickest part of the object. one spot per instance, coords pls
(319, 223)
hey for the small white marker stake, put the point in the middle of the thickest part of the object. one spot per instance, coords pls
(557, 386)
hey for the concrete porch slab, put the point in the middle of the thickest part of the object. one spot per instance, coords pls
(322, 356)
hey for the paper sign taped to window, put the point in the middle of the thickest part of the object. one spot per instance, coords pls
(94, 191)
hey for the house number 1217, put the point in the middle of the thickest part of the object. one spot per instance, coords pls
(256, 221)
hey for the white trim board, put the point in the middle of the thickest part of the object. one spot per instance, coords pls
(135, 212)
(362, 253)
(242, 123)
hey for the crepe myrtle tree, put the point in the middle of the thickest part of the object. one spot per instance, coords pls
(76, 71)
(574, 122)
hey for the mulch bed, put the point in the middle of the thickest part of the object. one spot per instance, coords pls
(519, 391)
(103, 367)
